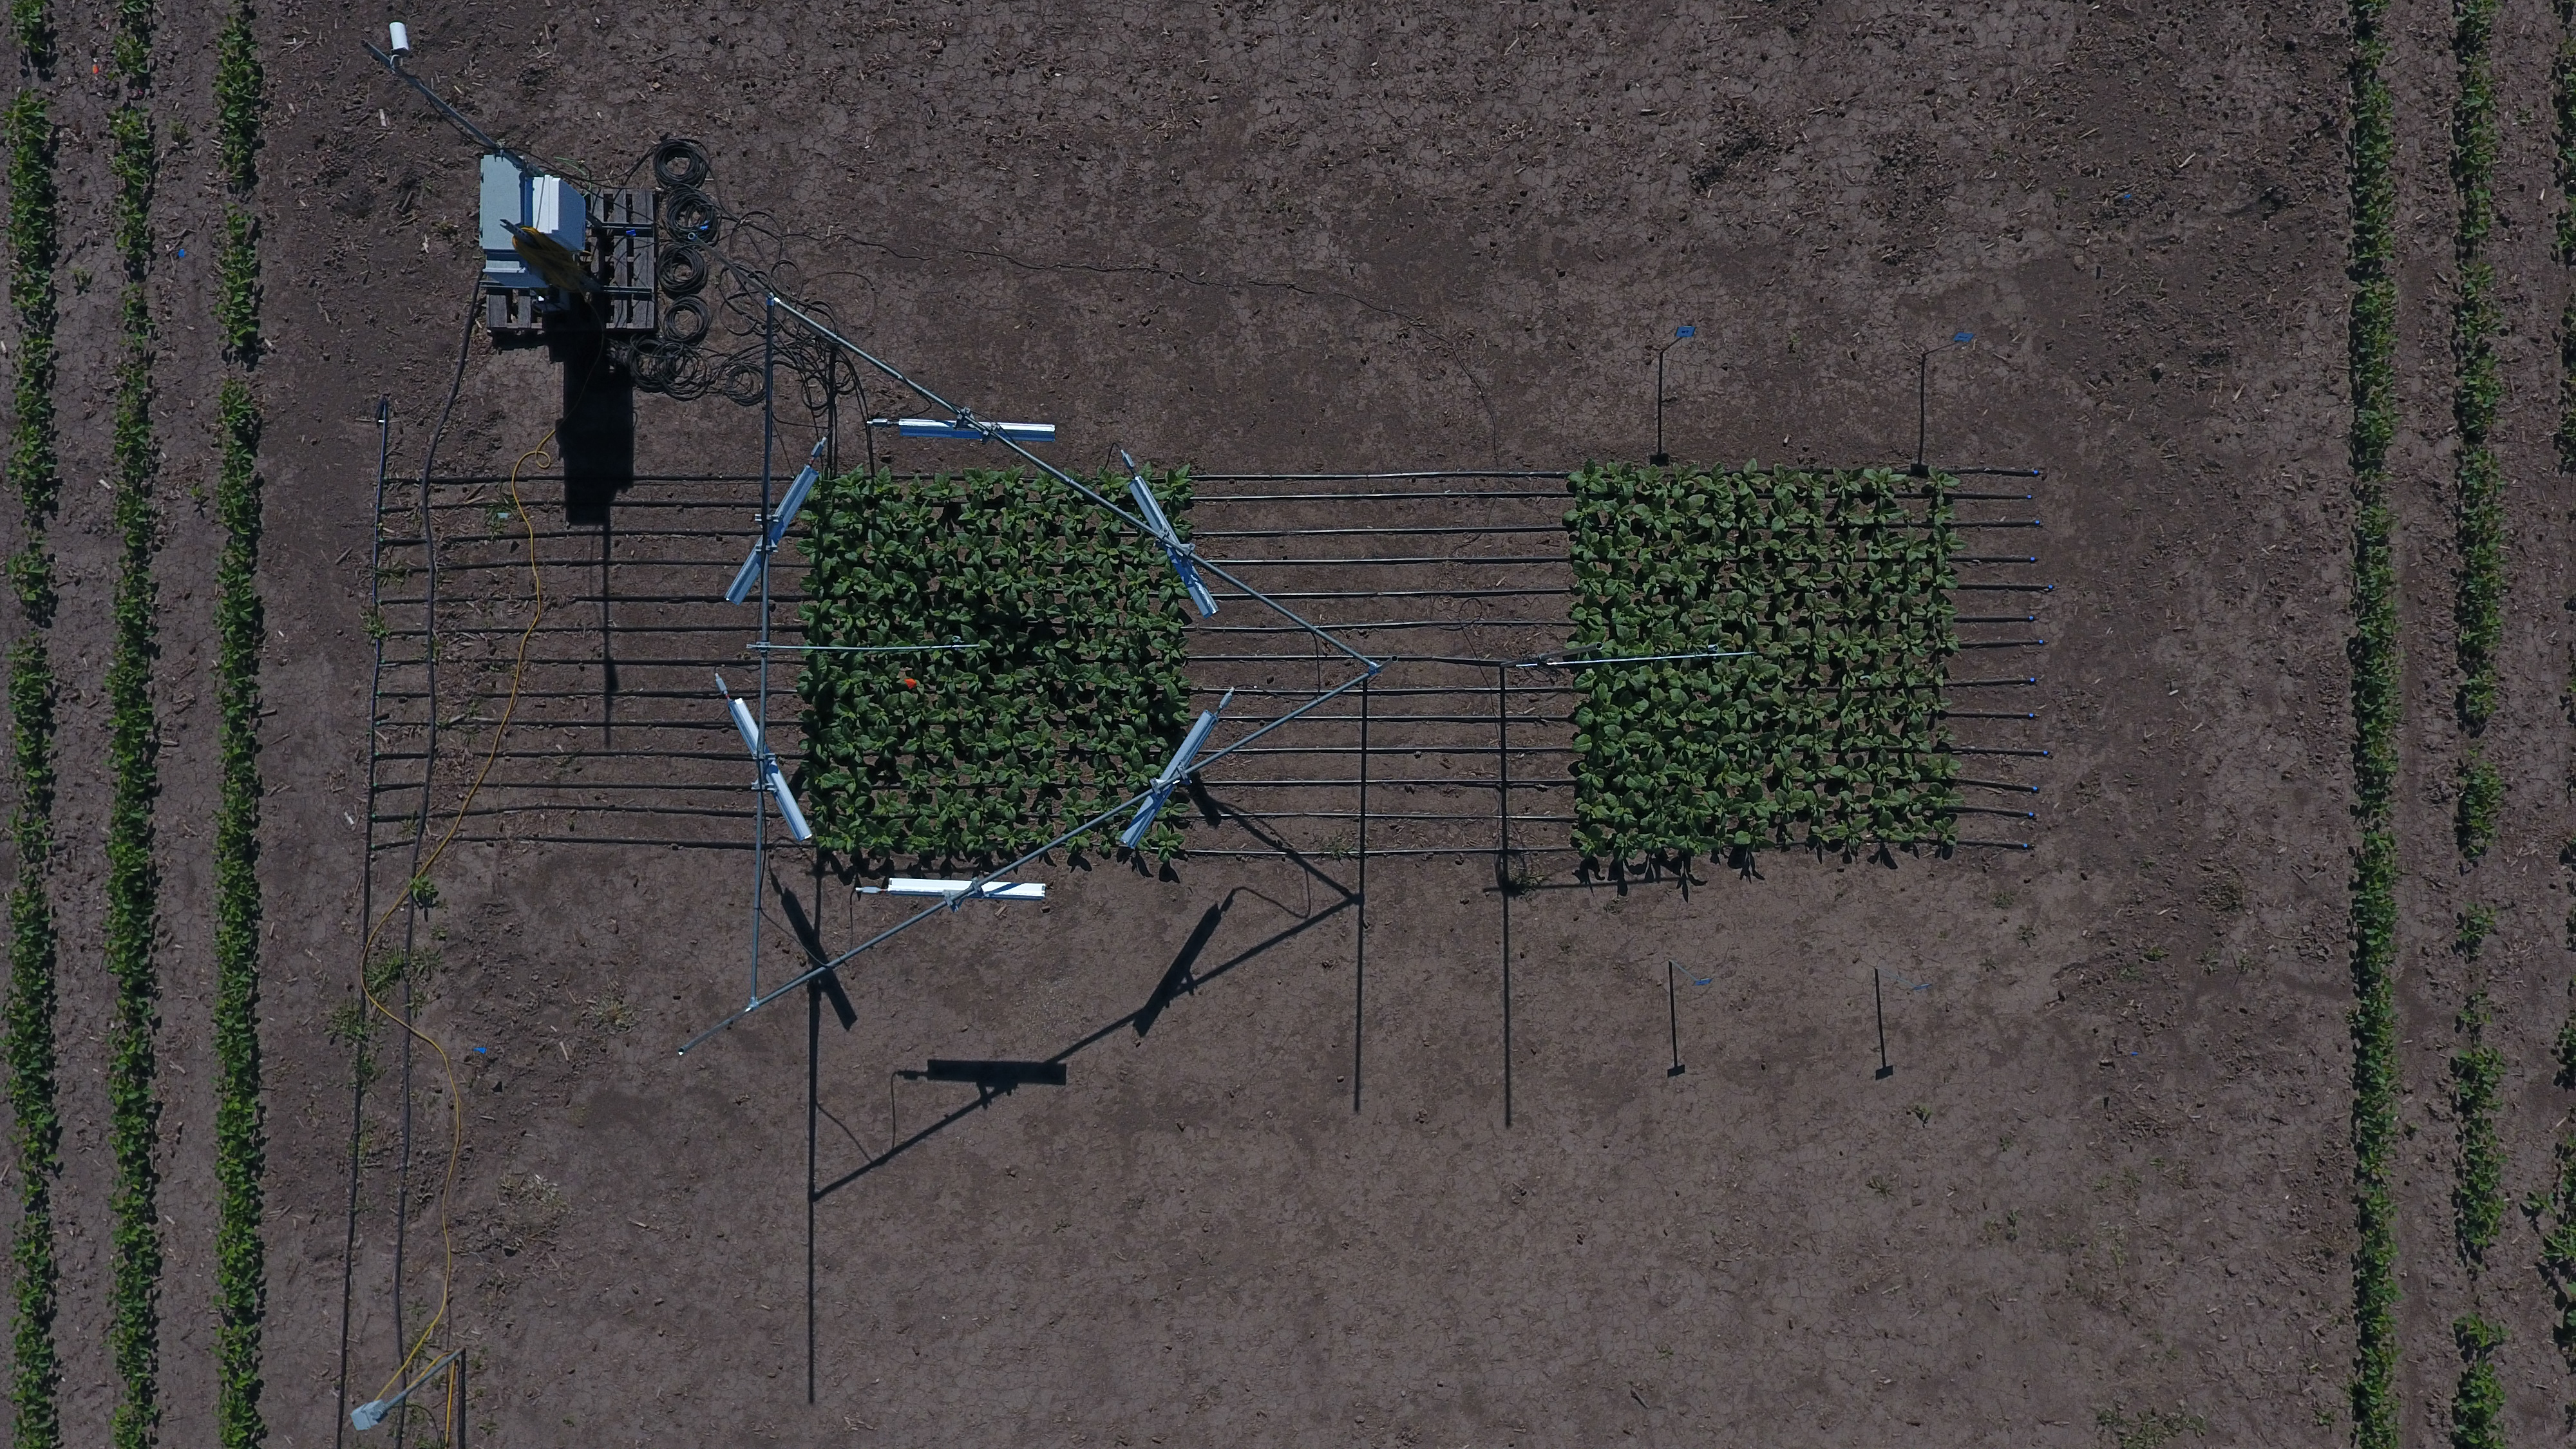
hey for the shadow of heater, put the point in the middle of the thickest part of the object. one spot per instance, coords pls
(990, 1079)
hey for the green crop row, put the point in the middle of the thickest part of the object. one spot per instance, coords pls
(132, 884)
(239, 84)
(2562, 98)
(33, 242)
(2477, 1404)
(2478, 384)
(2477, 1082)
(1072, 700)
(1830, 736)
(2481, 802)
(240, 1257)
(2377, 671)
(2558, 1247)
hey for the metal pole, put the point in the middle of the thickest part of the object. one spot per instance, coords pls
(1661, 458)
(759, 808)
(1503, 756)
(366, 903)
(1673, 1009)
(813, 1110)
(1922, 408)
(463, 1406)
(1878, 993)
(1359, 951)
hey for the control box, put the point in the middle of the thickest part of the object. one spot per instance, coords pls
(548, 204)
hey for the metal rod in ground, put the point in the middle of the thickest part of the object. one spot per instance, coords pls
(1359, 946)
(1673, 1012)
(813, 1110)
(366, 910)
(1503, 866)
(760, 807)
(1878, 993)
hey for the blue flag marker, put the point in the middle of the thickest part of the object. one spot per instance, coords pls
(1963, 336)
(1685, 330)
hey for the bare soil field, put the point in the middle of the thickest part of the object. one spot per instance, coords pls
(2104, 1195)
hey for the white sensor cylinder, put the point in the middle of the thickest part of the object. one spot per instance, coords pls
(401, 38)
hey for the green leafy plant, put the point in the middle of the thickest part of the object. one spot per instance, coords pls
(2477, 317)
(1073, 699)
(240, 1146)
(2377, 693)
(2481, 802)
(33, 242)
(2476, 924)
(2477, 1081)
(2565, 1050)
(132, 884)
(1830, 735)
(2477, 1404)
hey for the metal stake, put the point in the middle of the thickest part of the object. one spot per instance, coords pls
(1503, 758)
(759, 787)
(1878, 993)
(1359, 949)
(1673, 1009)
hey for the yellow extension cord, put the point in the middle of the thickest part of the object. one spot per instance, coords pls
(366, 953)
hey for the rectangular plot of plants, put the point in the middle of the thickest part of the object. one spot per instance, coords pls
(1074, 700)
(1829, 737)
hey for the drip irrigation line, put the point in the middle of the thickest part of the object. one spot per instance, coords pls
(1463, 560)
(1995, 618)
(655, 567)
(584, 630)
(366, 911)
(1556, 625)
(561, 756)
(632, 601)
(1463, 751)
(410, 905)
(1993, 750)
(683, 786)
(1249, 692)
(1998, 785)
(1980, 714)
(1444, 495)
(561, 808)
(858, 648)
(1503, 860)
(2000, 643)
(1560, 474)
(1450, 530)
(1431, 782)
(2004, 588)
(1496, 593)
(1424, 818)
(1359, 940)
(1431, 718)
